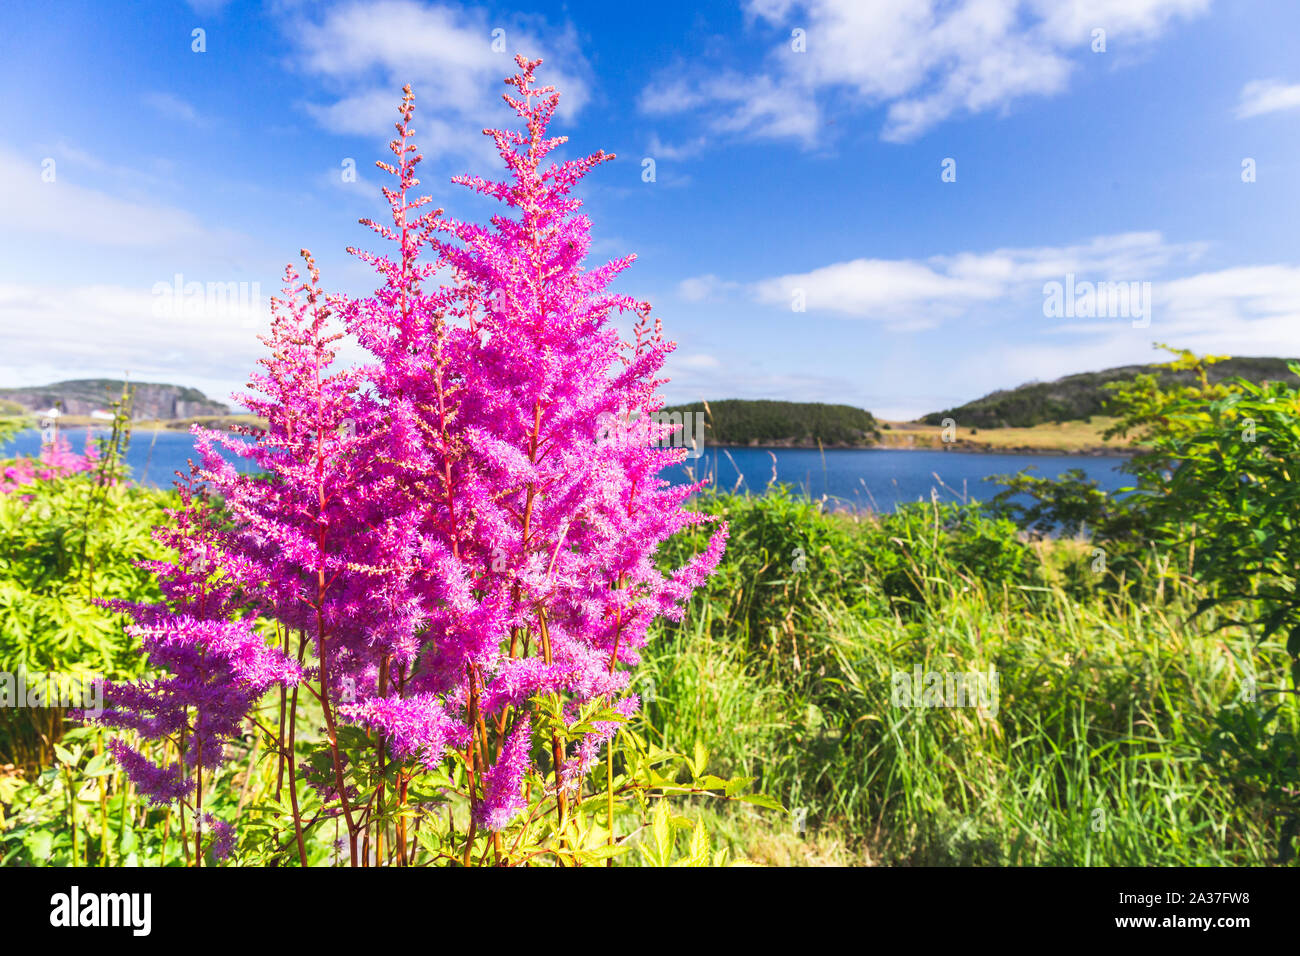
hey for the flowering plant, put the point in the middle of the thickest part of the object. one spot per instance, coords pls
(56, 460)
(440, 556)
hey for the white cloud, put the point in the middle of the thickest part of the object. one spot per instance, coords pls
(1247, 310)
(877, 288)
(367, 50)
(172, 107)
(698, 361)
(1241, 310)
(923, 60)
(61, 208)
(1267, 96)
(1256, 308)
(758, 107)
(704, 288)
(918, 292)
(658, 149)
(106, 330)
(92, 331)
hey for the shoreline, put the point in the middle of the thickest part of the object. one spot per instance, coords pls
(959, 447)
(929, 442)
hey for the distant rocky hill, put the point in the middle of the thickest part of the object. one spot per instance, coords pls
(86, 395)
(1079, 397)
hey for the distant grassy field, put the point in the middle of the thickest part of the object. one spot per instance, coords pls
(208, 421)
(1075, 437)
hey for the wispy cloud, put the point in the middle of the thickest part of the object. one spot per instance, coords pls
(705, 288)
(1267, 96)
(1248, 310)
(757, 107)
(924, 61)
(455, 59)
(106, 330)
(30, 206)
(658, 149)
(697, 360)
(171, 106)
(919, 292)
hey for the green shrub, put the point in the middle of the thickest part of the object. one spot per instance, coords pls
(65, 545)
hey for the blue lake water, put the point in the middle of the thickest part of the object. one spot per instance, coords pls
(154, 457)
(878, 479)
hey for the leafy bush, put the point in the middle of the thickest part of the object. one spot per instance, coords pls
(65, 545)
(1215, 485)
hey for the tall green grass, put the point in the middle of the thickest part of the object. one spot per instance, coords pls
(1102, 750)
(1107, 693)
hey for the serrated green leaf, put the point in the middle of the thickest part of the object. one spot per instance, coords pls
(662, 832)
(604, 852)
(429, 839)
(761, 800)
(699, 855)
(737, 785)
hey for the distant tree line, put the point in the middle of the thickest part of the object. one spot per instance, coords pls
(762, 422)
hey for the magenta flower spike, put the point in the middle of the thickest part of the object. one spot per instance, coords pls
(454, 531)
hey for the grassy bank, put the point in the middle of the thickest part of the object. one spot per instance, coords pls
(1071, 438)
(1108, 698)
(1098, 747)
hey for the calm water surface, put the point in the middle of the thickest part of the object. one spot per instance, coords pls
(881, 479)
(860, 478)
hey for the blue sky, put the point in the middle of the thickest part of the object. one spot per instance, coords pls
(798, 150)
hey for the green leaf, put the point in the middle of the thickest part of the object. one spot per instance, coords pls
(39, 843)
(737, 785)
(762, 800)
(699, 855)
(429, 839)
(99, 766)
(603, 852)
(701, 758)
(662, 832)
